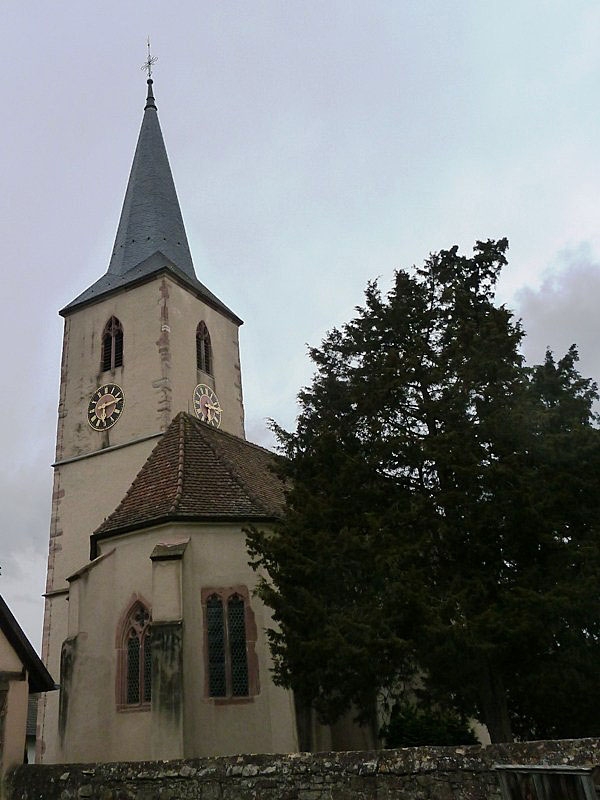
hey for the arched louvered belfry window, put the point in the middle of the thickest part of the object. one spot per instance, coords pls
(112, 345)
(136, 658)
(204, 360)
(230, 672)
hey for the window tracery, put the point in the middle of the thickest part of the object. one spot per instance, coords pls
(230, 638)
(135, 674)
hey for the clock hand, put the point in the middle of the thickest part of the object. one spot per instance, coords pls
(105, 406)
(108, 403)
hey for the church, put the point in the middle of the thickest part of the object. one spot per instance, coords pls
(150, 617)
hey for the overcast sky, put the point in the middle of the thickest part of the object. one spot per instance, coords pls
(315, 144)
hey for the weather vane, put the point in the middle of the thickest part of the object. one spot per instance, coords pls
(148, 63)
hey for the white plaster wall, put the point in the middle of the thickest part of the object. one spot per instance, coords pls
(95, 730)
(15, 714)
(185, 312)
(9, 660)
(15, 721)
(156, 386)
(218, 558)
(55, 615)
(215, 557)
(166, 591)
(91, 489)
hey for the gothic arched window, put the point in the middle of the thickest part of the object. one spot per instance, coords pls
(230, 637)
(203, 349)
(135, 679)
(112, 345)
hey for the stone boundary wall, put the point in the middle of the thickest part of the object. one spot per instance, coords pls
(420, 773)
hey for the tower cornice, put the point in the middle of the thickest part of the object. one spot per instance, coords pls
(155, 266)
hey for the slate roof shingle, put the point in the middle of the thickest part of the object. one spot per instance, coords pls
(196, 472)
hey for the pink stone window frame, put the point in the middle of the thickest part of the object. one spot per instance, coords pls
(122, 637)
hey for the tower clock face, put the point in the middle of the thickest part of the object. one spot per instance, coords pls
(105, 406)
(207, 406)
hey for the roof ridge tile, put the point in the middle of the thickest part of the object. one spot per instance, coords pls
(180, 464)
(231, 468)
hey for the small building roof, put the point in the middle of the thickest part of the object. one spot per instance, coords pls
(40, 679)
(198, 473)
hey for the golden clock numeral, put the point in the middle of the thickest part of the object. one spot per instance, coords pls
(206, 405)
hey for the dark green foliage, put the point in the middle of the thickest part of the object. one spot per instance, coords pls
(442, 512)
(413, 725)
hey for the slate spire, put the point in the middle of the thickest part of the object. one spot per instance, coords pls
(151, 217)
(151, 236)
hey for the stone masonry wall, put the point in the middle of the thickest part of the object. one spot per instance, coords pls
(420, 773)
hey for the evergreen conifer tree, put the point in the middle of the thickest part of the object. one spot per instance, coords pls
(442, 513)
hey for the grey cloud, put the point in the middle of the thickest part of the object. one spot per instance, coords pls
(564, 310)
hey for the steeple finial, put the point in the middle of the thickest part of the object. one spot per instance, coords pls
(149, 62)
(147, 66)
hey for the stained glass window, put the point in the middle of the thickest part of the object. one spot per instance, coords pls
(147, 675)
(216, 647)
(236, 625)
(133, 668)
(227, 646)
(137, 654)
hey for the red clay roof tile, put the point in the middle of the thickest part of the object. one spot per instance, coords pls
(197, 472)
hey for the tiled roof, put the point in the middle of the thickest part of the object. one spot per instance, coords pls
(198, 473)
(40, 679)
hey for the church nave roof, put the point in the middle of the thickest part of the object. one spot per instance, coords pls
(198, 473)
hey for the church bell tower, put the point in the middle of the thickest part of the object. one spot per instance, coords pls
(146, 341)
